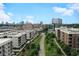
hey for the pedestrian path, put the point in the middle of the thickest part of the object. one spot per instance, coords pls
(42, 49)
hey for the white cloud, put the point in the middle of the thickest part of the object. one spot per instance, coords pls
(67, 11)
(10, 14)
(3, 16)
(64, 11)
(59, 9)
(1, 6)
(74, 6)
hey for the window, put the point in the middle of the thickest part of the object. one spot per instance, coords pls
(25, 36)
(78, 39)
(5, 37)
(70, 39)
(19, 41)
(78, 45)
(70, 42)
(3, 50)
(30, 35)
(0, 52)
(9, 43)
(70, 35)
(19, 38)
(10, 36)
(70, 45)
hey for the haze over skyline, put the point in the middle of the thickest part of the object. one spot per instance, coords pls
(36, 12)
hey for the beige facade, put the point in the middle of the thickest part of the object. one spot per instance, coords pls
(69, 36)
(28, 26)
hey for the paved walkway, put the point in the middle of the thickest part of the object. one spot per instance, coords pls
(42, 51)
(60, 47)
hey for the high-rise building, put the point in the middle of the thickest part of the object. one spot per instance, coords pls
(57, 22)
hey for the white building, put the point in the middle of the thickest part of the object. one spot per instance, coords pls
(6, 48)
(30, 34)
(19, 38)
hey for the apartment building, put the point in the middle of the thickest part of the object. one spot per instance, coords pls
(6, 48)
(69, 36)
(19, 38)
(30, 34)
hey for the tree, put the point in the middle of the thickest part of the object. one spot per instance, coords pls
(73, 52)
(32, 46)
(58, 51)
(67, 50)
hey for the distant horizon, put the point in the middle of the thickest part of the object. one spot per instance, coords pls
(35, 23)
(37, 12)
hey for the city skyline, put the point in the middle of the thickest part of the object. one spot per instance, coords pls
(36, 12)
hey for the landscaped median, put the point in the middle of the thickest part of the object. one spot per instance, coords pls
(32, 49)
(51, 48)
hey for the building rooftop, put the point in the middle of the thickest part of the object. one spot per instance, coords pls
(69, 30)
(15, 33)
(3, 41)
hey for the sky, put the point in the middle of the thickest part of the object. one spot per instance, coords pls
(36, 12)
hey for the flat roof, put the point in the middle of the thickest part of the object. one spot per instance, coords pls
(3, 41)
(16, 33)
(70, 30)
